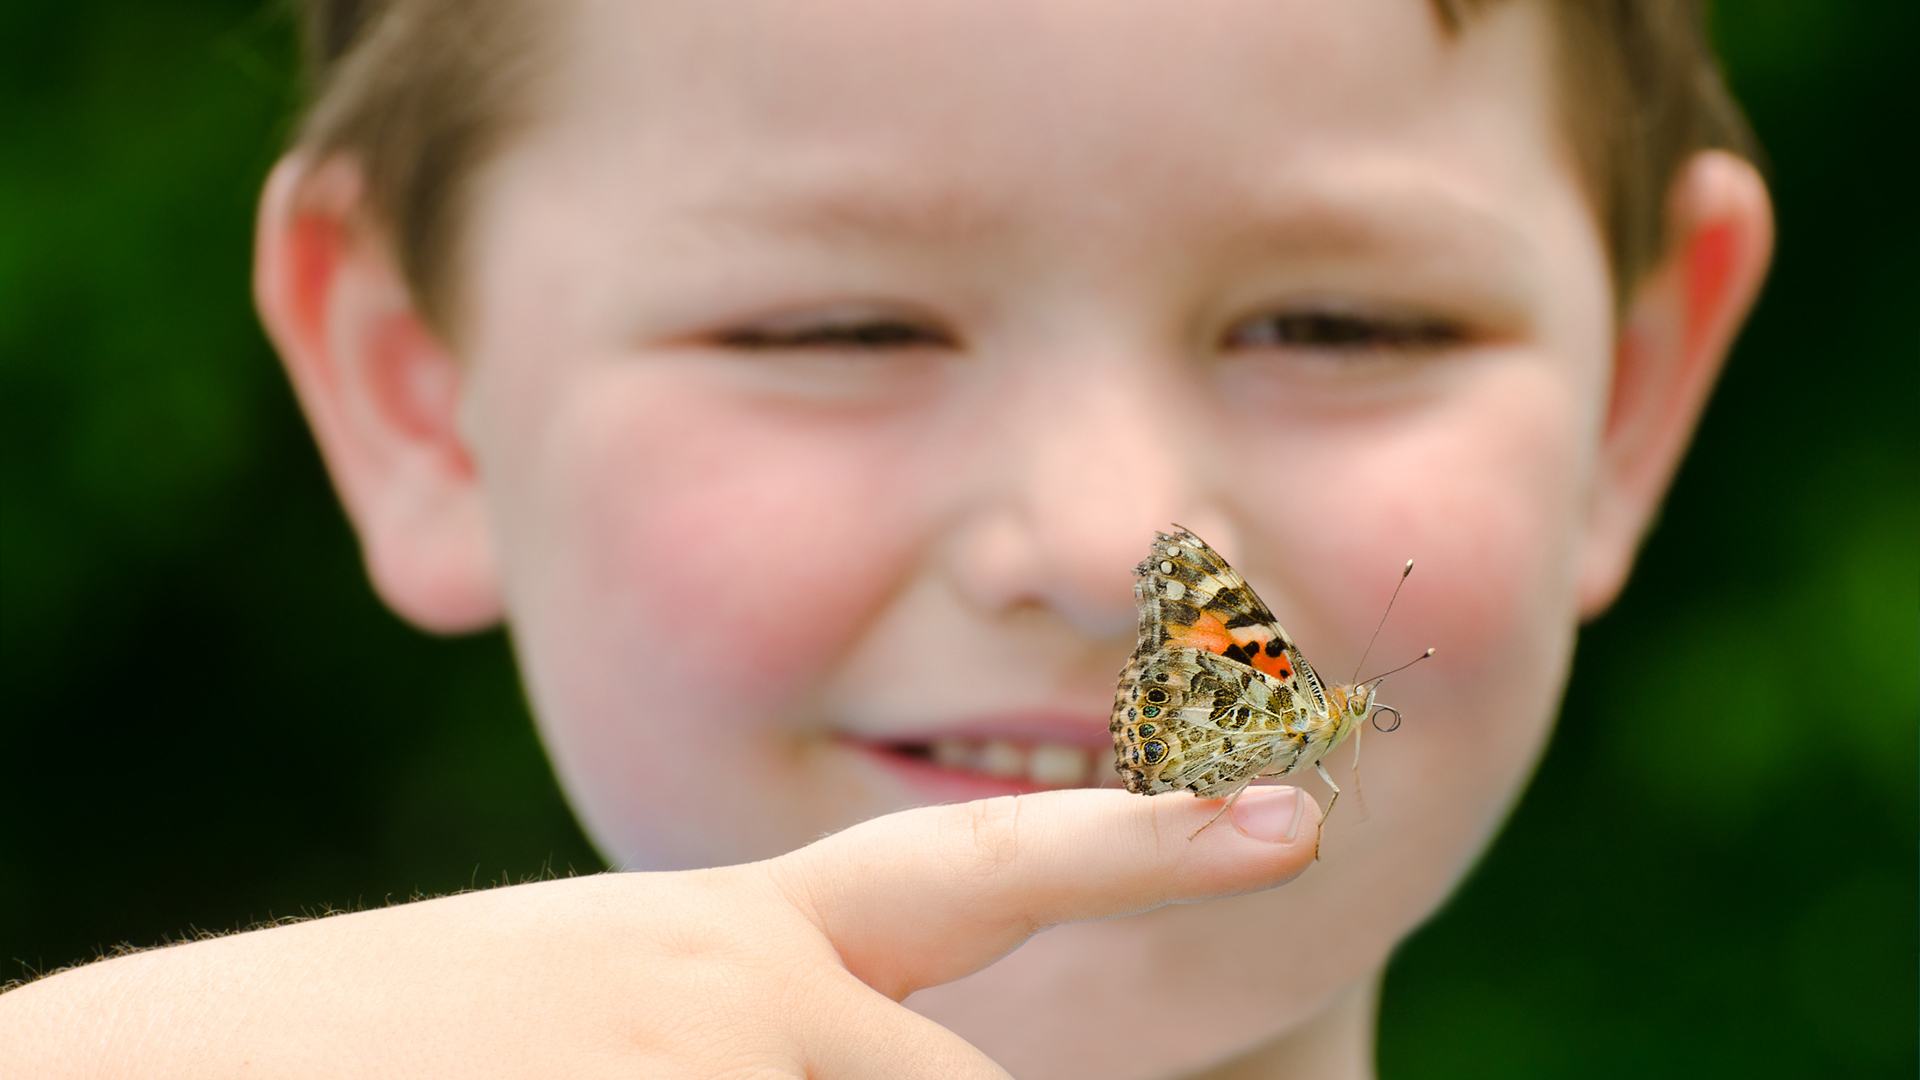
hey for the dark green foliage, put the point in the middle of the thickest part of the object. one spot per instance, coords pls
(209, 720)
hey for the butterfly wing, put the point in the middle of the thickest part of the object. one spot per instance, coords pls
(1186, 718)
(1216, 692)
(1187, 596)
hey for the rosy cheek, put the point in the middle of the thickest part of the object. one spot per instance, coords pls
(1483, 494)
(748, 555)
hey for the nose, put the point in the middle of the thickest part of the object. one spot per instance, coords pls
(1091, 460)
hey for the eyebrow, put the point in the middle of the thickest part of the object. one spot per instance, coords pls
(1357, 208)
(1425, 224)
(858, 204)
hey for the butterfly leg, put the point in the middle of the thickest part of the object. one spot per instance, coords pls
(1321, 768)
(1224, 807)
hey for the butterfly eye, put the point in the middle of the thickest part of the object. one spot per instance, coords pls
(1151, 710)
(1154, 752)
(1157, 696)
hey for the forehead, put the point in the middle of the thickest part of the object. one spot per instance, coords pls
(1111, 79)
(1333, 120)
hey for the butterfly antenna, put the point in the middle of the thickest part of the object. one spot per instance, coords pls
(1399, 669)
(1383, 621)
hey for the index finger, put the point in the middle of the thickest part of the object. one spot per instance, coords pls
(926, 896)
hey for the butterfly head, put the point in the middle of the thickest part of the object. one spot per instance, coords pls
(1356, 704)
(1351, 705)
(1359, 700)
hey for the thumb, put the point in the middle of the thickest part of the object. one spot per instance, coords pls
(926, 896)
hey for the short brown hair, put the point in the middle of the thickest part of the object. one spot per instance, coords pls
(1640, 93)
(422, 92)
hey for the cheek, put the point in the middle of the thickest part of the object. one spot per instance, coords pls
(1483, 488)
(681, 576)
(734, 551)
(1487, 494)
(1489, 502)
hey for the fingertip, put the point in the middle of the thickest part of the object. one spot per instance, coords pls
(1266, 837)
(1272, 814)
(926, 896)
(1277, 831)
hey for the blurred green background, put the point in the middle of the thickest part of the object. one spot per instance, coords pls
(209, 720)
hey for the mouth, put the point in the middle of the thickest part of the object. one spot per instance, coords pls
(980, 761)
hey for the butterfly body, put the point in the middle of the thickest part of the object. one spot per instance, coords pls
(1216, 694)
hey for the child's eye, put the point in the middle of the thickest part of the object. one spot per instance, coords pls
(1336, 331)
(837, 332)
(842, 353)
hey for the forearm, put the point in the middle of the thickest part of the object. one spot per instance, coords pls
(358, 993)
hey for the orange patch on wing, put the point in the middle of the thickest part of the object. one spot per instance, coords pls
(1207, 632)
(1277, 666)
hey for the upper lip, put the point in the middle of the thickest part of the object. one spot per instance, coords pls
(1030, 728)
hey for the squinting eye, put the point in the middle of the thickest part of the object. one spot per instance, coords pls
(879, 334)
(839, 353)
(1327, 330)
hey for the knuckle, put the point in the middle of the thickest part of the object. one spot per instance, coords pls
(991, 839)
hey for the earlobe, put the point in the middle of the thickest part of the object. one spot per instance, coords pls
(1674, 336)
(382, 393)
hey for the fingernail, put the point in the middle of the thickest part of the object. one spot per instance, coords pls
(1269, 813)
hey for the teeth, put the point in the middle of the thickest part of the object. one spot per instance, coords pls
(1052, 764)
(953, 753)
(1002, 759)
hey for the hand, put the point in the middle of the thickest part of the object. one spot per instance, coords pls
(790, 967)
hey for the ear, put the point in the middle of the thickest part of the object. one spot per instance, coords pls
(1681, 321)
(381, 391)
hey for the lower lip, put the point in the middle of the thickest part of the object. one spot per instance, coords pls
(936, 783)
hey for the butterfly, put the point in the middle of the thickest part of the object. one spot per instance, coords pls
(1216, 695)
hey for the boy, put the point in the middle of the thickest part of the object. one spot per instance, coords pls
(800, 384)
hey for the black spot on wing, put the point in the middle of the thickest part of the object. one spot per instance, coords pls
(1179, 611)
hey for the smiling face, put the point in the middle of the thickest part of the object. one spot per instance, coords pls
(832, 365)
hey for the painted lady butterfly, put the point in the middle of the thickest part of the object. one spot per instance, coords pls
(1216, 694)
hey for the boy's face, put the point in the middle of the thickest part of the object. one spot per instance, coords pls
(834, 364)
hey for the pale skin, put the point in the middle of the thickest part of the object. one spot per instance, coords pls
(747, 558)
